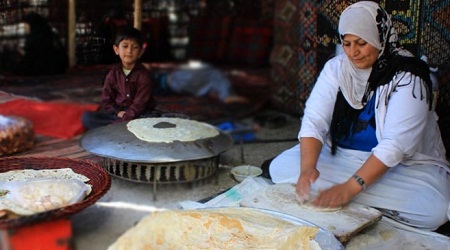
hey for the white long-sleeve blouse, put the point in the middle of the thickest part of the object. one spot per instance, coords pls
(406, 129)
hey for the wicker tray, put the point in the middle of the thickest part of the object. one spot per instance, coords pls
(99, 179)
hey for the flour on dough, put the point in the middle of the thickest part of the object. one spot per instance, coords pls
(281, 194)
(308, 205)
(284, 194)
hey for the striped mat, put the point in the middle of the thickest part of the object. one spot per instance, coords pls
(52, 147)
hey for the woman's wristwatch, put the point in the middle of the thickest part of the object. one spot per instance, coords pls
(360, 181)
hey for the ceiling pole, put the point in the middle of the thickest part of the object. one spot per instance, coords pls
(138, 14)
(71, 32)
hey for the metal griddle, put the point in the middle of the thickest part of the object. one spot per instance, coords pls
(116, 142)
(127, 157)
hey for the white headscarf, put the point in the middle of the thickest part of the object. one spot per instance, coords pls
(358, 19)
(370, 22)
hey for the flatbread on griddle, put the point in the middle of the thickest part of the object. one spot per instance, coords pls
(167, 130)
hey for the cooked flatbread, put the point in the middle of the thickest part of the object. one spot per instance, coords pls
(24, 174)
(30, 191)
(225, 228)
(167, 130)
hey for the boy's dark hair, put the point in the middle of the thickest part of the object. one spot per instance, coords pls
(128, 32)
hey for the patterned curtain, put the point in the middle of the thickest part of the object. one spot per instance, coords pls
(306, 37)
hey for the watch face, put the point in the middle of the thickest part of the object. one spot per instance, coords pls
(360, 181)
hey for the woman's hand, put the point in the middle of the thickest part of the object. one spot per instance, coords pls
(341, 194)
(310, 150)
(307, 177)
(338, 195)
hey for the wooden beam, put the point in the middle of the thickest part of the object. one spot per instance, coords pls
(71, 32)
(138, 14)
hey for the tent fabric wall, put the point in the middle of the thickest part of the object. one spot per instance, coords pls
(305, 37)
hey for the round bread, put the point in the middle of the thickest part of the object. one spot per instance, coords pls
(16, 135)
(226, 228)
(167, 130)
(32, 191)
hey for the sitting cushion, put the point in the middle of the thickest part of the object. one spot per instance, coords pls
(16, 135)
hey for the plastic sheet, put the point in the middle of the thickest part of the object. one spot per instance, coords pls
(43, 194)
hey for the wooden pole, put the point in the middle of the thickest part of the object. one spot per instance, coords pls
(71, 32)
(138, 14)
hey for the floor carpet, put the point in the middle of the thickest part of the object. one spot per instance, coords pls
(59, 119)
(83, 86)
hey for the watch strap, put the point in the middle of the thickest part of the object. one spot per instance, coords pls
(360, 181)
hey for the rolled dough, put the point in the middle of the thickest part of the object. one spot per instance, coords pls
(284, 193)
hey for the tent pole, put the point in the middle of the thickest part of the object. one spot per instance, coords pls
(71, 32)
(138, 14)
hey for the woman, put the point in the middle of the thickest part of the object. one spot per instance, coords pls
(368, 133)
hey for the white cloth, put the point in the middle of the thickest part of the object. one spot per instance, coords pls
(353, 80)
(366, 27)
(417, 185)
(354, 84)
(201, 81)
(370, 22)
(420, 194)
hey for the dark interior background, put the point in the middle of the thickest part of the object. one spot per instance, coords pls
(292, 39)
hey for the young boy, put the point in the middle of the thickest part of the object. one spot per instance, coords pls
(127, 89)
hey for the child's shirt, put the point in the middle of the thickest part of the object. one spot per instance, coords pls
(131, 93)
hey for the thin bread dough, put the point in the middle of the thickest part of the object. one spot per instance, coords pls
(24, 174)
(225, 228)
(308, 205)
(284, 193)
(57, 190)
(167, 130)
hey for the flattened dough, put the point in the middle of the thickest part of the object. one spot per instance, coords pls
(167, 130)
(310, 206)
(284, 193)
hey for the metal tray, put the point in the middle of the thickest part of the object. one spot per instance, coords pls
(325, 239)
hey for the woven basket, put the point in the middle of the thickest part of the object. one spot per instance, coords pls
(98, 178)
